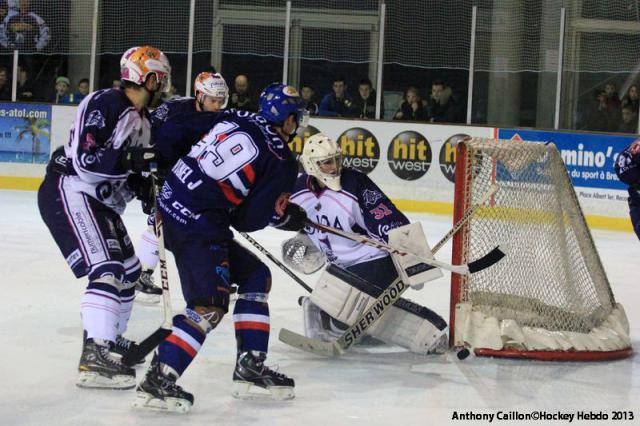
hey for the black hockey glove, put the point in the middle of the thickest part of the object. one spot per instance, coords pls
(142, 187)
(138, 159)
(293, 218)
(58, 162)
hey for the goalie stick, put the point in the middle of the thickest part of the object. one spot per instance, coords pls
(142, 349)
(352, 334)
(465, 269)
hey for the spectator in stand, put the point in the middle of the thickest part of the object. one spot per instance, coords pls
(242, 97)
(337, 103)
(614, 110)
(24, 30)
(5, 85)
(599, 118)
(62, 95)
(83, 90)
(443, 108)
(632, 98)
(365, 102)
(412, 108)
(629, 120)
(116, 83)
(26, 86)
(307, 94)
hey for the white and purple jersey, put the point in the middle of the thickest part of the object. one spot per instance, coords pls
(106, 124)
(359, 207)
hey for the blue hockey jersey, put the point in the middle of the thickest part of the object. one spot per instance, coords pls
(231, 177)
(171, 109)
(359, 207)
(106, 124)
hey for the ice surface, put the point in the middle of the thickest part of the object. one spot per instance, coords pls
(41, 337)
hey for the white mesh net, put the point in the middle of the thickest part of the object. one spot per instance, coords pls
(552, 283)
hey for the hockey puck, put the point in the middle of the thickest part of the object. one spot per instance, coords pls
(463, 353)
(300, 300)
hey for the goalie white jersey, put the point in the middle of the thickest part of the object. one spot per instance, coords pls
(359, 207)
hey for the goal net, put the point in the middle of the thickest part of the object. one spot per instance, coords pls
(549, 298)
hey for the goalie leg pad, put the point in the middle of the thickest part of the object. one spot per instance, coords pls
(339, 298)
(413, 327)
(345, 296)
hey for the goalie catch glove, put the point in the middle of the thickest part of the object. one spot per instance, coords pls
(302, 255)
(293, 218)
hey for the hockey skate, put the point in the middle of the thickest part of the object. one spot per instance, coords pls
(122, 346)
(253, 380)
(147, 292)
(159, 391)
(100, 370)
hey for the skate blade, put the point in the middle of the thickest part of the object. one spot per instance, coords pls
(149, 402)
(92, 380)
(247, 390)
(147, 299)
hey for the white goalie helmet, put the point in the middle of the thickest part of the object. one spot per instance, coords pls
(138, 63)
(212, 84)
(322, 158)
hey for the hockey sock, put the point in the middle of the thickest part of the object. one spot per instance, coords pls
(126, 305)
(148, 249)
(180, 348)
(251, 320)
(100, 310)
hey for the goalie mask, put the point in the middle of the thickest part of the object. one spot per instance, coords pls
(321, 158)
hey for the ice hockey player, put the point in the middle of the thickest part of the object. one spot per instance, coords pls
(211, 95)
(628, 169)
(85, 191)
(239, 173)
(347, 199)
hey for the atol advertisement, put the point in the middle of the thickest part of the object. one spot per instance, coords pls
(25, 133)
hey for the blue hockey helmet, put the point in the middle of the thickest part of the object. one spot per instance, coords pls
(278, 101)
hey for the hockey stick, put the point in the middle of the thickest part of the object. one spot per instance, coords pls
(352, 334)
(466, 269)
(276, 261)
(142, 349)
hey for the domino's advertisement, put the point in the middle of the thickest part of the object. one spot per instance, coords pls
(590, 160)
(25, 133)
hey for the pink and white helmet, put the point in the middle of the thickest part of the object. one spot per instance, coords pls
(138, 63)
(212, 84)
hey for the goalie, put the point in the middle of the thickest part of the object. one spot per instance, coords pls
(347, 199)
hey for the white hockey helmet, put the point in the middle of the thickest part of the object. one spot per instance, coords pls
(212, 84)
(322, 158)
(138, 63)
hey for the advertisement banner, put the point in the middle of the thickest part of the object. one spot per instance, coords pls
(414, 162)
(590, 160)
(25, 133)
(589, 157)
